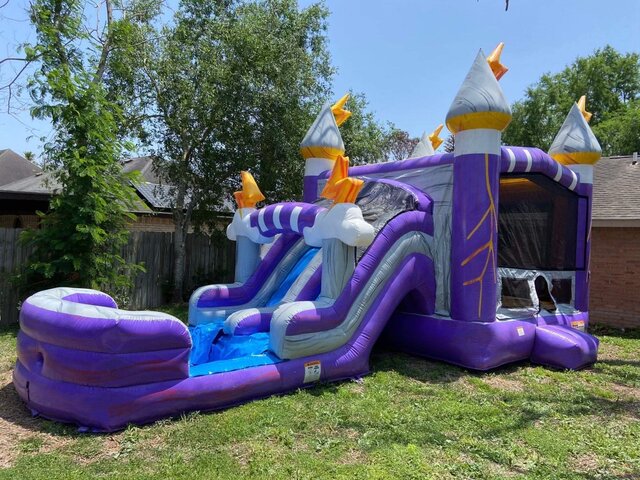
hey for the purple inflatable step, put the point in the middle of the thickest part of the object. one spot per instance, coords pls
(564, 347)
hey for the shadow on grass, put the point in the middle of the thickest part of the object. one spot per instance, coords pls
(429, 370)
(603, 330)
(14, 411)
(9, 330)
(620, 363)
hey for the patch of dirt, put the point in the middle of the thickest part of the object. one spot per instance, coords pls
(357, 386)
(353, 456)
(350, 433)
(503, 383)
(110, 448)
(584, 463)
(624, 391)
(241, 452)
(608, 351)
(18, 426)
(463, 384)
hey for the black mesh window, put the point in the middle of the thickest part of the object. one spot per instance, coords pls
(515, 293)
(538, 224)
(561, 290)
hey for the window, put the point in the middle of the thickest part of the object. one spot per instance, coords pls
(561, 290)
(545, 299)
(539, 223)
(515, 293)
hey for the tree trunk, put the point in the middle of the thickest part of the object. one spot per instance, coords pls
(179, 253)
(181, 220)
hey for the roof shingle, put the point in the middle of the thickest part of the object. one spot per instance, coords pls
(15, 167)
(616, 189)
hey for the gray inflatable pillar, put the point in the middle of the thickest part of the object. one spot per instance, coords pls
(338, 264)
(247, 258)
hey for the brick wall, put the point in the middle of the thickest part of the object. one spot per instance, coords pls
(19, 221)
(615, 277)
(152, 223)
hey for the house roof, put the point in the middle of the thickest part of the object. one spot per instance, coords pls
(157, 195)
(15, 167)
(40, 183)
(616, 189)
(144, 165)
(43, 184)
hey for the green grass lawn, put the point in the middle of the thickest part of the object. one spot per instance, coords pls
(411, 418)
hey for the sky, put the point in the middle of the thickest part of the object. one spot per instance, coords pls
(409, 57)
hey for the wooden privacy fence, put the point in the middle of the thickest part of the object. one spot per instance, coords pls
(208, 260)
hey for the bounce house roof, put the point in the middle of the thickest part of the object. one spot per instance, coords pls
(323, 133)
(575, 142)
(479, 96)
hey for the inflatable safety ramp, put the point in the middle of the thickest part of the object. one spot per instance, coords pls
(564, 347)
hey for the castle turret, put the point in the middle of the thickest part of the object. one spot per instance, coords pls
(576, 147)
(575, 144)
(477, 116)
(428, 144)
(322, 145)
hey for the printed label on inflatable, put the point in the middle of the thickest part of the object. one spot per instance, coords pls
(520, 332)
(312, 371)
(578, 325)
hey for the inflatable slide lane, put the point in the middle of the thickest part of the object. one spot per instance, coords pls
(477, 257)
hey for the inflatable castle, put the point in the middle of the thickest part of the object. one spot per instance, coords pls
(479, 257)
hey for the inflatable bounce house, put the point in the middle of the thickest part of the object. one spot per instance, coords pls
(479, 257)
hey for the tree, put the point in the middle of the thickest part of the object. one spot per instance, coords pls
(619, 132)
(230, 85)
(82, 234)
(29, 155)
(449, 144)
(611, 82)
(399, 144)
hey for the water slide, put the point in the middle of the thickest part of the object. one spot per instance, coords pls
(83, 360)
(479, 257)
(288, 308)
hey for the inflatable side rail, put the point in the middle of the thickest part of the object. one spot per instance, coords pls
(533, 160)
(80, 336)
(235, 294)
(254, 320)
(285, 217)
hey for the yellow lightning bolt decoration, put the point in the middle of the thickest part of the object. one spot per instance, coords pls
(497, 68)
(250, 193)
(340, 187)
(434, 138)
(341, 115)
(582, 105)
